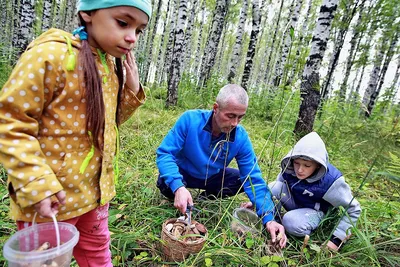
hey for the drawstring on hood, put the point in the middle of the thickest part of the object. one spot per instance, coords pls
(310, 147)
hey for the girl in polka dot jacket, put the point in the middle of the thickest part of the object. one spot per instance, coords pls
(59, 117)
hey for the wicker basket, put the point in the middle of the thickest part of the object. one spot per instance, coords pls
(177, 250)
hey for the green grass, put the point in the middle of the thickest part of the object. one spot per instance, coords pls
(357, 147)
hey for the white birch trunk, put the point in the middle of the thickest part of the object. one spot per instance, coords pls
(287, 44)
(301, 46)
(374, 76)
(187, 45)
(71, 18)
(25, 31)
(354, 43)
(199, 62)
(255, 29)
(46, 16)
(177, 56)
(262, 49)
(210, 51)
(160, 57)
(339, 41)
(382, 74)
(272, 46)
(5, 33)
(310, 88)
(396, 82)
(15, 23)
(170, 44)
(237, 48)
(149, 57)
(57, 21)
(357, 90)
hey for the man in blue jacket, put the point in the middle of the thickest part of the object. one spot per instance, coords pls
(197, 150)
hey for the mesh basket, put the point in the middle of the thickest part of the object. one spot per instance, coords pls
(177, 250)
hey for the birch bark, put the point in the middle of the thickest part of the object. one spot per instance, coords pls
(255, 29)
(177, 59)
(213, 40)
(237, 48)
(287, 44)
(310, 88)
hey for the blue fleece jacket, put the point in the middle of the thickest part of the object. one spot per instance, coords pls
(189, 145)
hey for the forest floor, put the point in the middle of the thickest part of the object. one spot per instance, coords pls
(359, 148)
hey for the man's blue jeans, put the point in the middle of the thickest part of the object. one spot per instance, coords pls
(220, 184)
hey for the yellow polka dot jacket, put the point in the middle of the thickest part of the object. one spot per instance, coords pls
(43, 142)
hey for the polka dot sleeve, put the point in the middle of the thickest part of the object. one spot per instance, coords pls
(22, 100)
(130, 102)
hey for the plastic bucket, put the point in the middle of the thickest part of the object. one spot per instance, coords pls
(20, 248)
(244, 221)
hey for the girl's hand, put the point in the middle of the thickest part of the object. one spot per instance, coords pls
(132, 75)
(47, 207)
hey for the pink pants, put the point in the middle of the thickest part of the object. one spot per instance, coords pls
(94, 238)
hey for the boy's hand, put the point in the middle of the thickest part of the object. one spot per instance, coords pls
(47, 208)
(182, 199)
(247, 205)
(274, 227)
(330, 245)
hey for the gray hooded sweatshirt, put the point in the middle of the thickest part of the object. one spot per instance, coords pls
(326, 187)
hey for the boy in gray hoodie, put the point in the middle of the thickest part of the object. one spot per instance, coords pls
(308, 186)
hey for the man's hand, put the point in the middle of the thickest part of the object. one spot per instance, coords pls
(47, 207)
(182, 199)
(274, 227)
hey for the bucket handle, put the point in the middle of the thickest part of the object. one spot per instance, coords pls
(55, 227)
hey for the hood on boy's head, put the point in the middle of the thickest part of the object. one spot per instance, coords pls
(87, 5)
(311, 147)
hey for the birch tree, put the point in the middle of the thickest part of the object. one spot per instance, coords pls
(350, 8)
(301, 47)
(374, 75)
(168, 51)
(46, 15)
(198, 63)
(310, 88)
(213, 40)
(71, 19)
(382, 74)
(5, 34)
(287, 44)
(149, 55)
(272, 46)
(177, 59)
(170, 44)
(395, 84)
(57, 22)
(160, 57)
(255, 29)
(25, 27)
(187, 44)
(237, 48)
(358, 33)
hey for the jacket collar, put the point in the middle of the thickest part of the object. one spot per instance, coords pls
(208, 127)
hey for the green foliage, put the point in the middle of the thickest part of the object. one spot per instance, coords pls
(355, 146)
